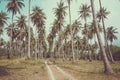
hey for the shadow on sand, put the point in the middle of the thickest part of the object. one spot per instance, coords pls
(4, 70)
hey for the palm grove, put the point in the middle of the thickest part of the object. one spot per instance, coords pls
(64, 40)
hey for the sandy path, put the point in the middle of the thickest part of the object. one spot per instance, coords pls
(57, 73)
(50, 71)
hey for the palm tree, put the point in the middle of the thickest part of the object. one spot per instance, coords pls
(75, 27)
(107, 67)
(14, 7)
(71, 32)
(84, 12)
(101, 16)
(111, 36)
(3, 19)
(38, 19)
(21, 24)
(52, 36)
(29, 35)
(60, 13)
(102, 13)
(111, 31)
(50, 41)
(9, 35)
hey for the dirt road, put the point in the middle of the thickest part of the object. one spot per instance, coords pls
(56, 73)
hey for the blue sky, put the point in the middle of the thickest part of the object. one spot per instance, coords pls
(48, 5)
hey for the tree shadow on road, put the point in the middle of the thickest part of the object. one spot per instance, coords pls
(3, 71)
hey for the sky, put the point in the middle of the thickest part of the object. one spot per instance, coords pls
(48, 5)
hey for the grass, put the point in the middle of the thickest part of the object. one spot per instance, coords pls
(22, 69)
(85, 70)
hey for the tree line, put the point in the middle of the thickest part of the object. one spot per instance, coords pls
(64, 40)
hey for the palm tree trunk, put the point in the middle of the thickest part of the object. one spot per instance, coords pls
(29, 29)
(105, 36)
(77, 51)
(107, 67)
(73, 54)
(89, 51)
(11, 34)
(36, 50)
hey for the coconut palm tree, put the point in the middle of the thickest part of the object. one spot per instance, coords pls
(71, 32)
(9, 35)
(60, 13)
(29, 35)
(50, 41)
(102, 14)
(84, 13)
(14, 6)
(21, 24)
(111, 34)
(38, 19)
(3, 19)
(52, 36)
(107, 67)
(76, 27)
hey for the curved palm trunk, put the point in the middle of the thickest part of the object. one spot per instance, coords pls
(107, 67)
(73, 54)
(29, 29)
(105, 36)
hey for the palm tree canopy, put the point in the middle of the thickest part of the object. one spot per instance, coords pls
(21, 21)
(14, 6)
(76, 27)
(3, 18)
(15, 31)
(60, 11)
(102, 13)
(84, 11)
(1, 30)
(111, 33)
(38, 17)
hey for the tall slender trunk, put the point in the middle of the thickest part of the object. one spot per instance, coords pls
(29, 28)
(89, 51)
(105, 36)
(86, 36)
(107, 67)
(77, 51)
(36, 50)
(71, 32)
(11, 35)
